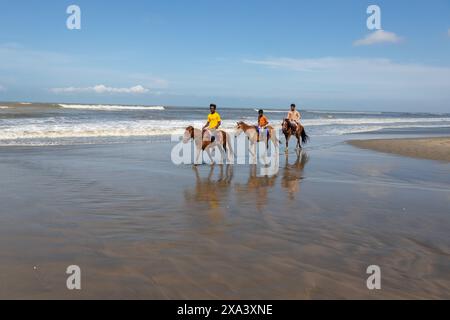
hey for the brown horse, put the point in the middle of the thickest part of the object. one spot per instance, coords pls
(203, 142)
(299, 133)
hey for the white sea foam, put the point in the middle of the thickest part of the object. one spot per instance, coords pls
(101, 107)
(344, 112)
(53, 130)
(273, 111)
(4, 107)
(325, 112)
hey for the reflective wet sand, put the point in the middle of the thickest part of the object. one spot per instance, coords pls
(140, 227)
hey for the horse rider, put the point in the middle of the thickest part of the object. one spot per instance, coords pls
(213, 123)
(263, 122)
(294, 118)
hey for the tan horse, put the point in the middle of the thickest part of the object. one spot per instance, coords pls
(203, 143)
(252, 134)
(299, 133)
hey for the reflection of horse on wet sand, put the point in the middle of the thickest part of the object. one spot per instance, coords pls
(257, 188)
(215, 189)
(293, 173)
(212, 190)
(204, 142)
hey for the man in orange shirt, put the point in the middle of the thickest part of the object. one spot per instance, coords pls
(263, 122)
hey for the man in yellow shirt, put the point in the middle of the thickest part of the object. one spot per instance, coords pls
(213, 123)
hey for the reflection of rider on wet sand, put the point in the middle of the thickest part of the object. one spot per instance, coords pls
(215, 192)
(293, 174)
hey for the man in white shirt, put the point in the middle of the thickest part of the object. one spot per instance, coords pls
(294, 117)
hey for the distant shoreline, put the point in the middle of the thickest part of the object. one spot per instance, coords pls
(424, 148)
(252, 107)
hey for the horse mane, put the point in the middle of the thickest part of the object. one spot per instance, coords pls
(242, 123)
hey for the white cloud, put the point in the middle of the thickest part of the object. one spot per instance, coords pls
(378, 37)
(2, 88)
(148, 81)
(19, 63)
(102, 89)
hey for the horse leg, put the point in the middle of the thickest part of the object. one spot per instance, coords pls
(299, 144)
(223, 154)
(230, 152)
(287, 142)
(266, 151)
(199, 152)
(252, 151)
(223, 148)
(208, 152)
(275, 140)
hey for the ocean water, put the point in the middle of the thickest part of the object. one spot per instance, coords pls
(65, 124)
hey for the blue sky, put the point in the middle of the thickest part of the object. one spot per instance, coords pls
(235, 53)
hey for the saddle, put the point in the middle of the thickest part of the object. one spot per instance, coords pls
(259, 133)
(294, 126)
(212, 137)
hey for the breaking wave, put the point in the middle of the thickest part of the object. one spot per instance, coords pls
(101, 107)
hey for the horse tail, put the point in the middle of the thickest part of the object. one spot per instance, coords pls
(305, 137)
(225, 140)
(274, 138)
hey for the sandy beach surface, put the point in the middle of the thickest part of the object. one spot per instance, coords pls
(437, 148)
(141, 227)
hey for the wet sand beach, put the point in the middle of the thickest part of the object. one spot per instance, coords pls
(437, 148)
(140, 227)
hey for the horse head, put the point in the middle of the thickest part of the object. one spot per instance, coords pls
(285, 125)
(188, 134)
(239, 128)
